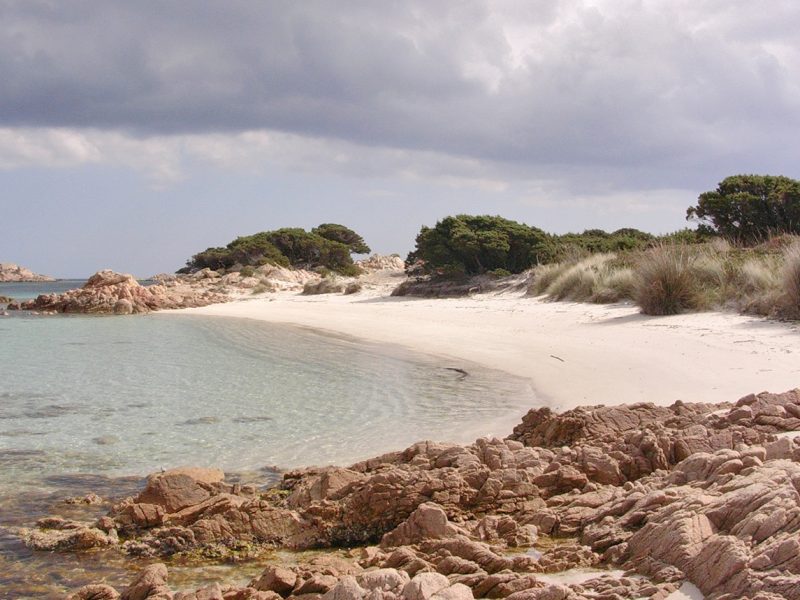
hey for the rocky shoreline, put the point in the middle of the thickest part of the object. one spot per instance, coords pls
(652, 496)
(109, 292)
(13, 273)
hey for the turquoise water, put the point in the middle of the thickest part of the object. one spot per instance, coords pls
(94, 403)
(123, 396)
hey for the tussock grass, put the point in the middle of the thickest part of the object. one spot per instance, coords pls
(665, 282)
(593, 278)
(576, 283)
(326, 285)
(579, 281)
(790, 279)
(615, 285)
(544, 275)
(758, 275)
(673, 278)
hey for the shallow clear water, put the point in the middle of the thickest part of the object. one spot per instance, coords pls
(131, 395)
(85, 401)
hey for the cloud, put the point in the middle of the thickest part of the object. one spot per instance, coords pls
(608, 93)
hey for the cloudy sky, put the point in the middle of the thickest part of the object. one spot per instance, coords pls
(133, 134)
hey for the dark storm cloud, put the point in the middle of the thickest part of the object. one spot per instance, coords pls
(638, 88)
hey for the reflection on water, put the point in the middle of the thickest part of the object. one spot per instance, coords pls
(90, 404)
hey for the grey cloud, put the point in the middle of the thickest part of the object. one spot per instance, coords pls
(638, 93)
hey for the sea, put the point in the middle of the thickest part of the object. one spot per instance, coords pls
(95, 403)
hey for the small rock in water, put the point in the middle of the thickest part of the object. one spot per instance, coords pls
(105, 440)
(200, 421)
(90, 499)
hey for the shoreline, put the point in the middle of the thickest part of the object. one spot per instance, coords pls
(573, 354)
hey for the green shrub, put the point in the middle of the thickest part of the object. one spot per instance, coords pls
(351, 270)
(599, 241)
(665, 282)
(247, 271)
(472, 245)
(500, 273)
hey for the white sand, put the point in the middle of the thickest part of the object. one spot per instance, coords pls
(575, 354)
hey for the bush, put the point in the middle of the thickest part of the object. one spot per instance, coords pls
(247, 271)
(597, 240)
(500, 273)
(665, 283)
(472, 245)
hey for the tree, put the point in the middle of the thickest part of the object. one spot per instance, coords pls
(343, 235)
(749, 208)
(256, 250)
(466, 244)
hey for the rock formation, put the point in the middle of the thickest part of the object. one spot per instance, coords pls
(116, 293)
(703, 493)
(378, 262)
(9, 272)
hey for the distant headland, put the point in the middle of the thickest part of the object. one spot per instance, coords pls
(10, 272)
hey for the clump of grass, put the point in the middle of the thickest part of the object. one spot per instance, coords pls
(758, 275)
(614, 285)
(578, 281)
(665, 282)
(543, 275)
(599, 278)
(790, 279)
(326, 285)
(353, 287)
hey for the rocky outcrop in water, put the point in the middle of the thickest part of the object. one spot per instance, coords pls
(9, 272)
(652, 496)
(107, 292)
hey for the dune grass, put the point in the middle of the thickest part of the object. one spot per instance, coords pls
(674, 278)
(790, 279)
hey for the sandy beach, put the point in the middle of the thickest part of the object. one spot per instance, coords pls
(574, 354)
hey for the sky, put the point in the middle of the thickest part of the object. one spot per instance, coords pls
(134, 134)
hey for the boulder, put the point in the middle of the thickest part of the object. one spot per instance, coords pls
(149, 584)
(96, 591)
(177, 489)
(428, 521)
